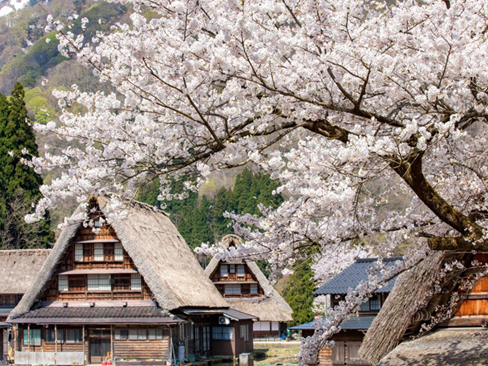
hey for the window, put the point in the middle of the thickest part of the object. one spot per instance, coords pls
(50, 335)
(132, 334)
(372, 304)
(79, 252)
(74, 335)
(135, 281)
(99, 282)
(155, 334)
(232, 289)
(35, 337)
(240, 270)
(375, 303)
(135, 334)
(245, 332)
(63, 283)
(222, 333)
(121, 334)
(223, 270)
(232, 268)
(98, 252)
(118, 252)
(275, 326)
(254, 288)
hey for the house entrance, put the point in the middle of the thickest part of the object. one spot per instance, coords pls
(100, 345)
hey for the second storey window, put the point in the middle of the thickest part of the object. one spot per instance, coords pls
(79, 252)
(223, 270)
(240, 270)
(135, 282)
(99, 282)
(232, 289)
(118, 252)
(254, 288)
(98, 255)
(63, 283)
(372, 304)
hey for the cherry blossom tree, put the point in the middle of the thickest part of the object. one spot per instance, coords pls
(332, 98)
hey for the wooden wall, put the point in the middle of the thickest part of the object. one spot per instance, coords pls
(245, 281)
(148, 348)
(476, 303)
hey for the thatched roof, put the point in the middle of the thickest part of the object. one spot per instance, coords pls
(159, 252)
(19, 268)
(407, 297)
(444, 347)
(271, 307)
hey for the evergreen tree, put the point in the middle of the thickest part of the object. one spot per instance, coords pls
(19, 184)
(298, 293)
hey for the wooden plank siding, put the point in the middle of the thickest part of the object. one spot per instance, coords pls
(476, 303)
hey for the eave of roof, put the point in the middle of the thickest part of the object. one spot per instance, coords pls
(353, 323)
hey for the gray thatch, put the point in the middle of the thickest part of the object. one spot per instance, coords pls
(159, 252)
(444, 347)
(407, 297)
(271, 307)
(19, 268)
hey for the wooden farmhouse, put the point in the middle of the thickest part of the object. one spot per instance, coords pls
(433, 321)
(18, 269)
(348, 341)
(246, 288)
(131, 292)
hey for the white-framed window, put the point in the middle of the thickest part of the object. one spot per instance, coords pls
(98, 253)
(118, 252)
(254, 288)
(232, 268)
(232, 289)
(245, 332)
(241, 270)
(99, 282)
(35, 337)
(135, 281)
(224, 270)
(63, 283)
(79, 252)
(222, 333)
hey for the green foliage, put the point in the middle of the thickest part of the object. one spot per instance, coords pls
(19, 184)
(203, 221)
(298, 293)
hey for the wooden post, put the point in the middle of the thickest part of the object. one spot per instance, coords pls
(170, 343)
(84, 346)
(28, 337)
(112, 344)
(55, 343)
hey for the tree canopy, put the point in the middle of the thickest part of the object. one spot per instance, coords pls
(19, 184)
(330, 98)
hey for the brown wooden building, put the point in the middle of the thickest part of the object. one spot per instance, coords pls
(246, 288)
(433, 320)
(348, 341)
(131, 291)
(18, 269)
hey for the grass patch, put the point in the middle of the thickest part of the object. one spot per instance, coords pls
(282, 353)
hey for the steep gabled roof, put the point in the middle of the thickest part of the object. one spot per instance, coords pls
(159, 252)
(352, 275)
(19, 268)
(271, 307)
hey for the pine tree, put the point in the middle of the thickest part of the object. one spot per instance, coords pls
(19, 184)
(298, 293)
